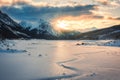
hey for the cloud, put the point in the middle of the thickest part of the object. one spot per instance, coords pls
(114, 3)
(107, 8)
(28, 12)
(103, 2)
(81, 17)
(38, 3)
(83, 22)
(112, 18)
(12, 2)
(54, 8)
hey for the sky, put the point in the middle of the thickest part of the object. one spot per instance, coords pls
(79, 15)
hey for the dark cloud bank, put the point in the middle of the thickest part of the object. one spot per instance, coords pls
(32, 13)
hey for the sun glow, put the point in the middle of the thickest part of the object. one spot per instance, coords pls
(60, 25)
(81, 23)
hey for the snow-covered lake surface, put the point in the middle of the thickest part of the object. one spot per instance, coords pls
(60, 60)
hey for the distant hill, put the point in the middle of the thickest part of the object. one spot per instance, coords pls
(106, 33)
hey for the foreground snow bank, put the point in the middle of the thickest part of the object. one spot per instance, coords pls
(59, 60)
(100, 42)
(4, 44)
(113, 43)
(7, 46)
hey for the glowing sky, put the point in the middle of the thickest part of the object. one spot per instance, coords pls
(79, 15)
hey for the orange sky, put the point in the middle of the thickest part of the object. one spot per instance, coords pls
(81, 23)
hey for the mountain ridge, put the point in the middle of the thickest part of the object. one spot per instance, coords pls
(112, 32)
(9, 29)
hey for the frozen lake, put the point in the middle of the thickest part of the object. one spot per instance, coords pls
(59, 60)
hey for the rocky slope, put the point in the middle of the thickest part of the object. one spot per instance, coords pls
(106, 33)
(9, 28)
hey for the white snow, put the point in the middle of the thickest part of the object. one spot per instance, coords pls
(59, 60)
(19, 33)
(99, 42)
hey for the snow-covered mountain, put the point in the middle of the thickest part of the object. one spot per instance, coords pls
(42, 30)
(7, 20)
(9, 28)
(106, 33)
(45, 28)
(25, 24)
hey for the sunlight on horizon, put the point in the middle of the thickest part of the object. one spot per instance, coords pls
(81, 23)
(62, 24)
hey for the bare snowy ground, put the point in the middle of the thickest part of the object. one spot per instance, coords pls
(100, 42)
(59, 60)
